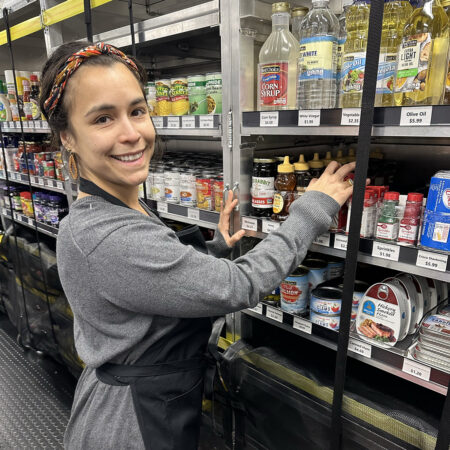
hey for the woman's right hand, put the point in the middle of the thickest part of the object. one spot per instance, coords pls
(332, 183)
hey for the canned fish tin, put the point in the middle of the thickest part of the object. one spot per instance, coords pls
(438, 200)
(437, 327)
(294, 292)
(335, 267)
(416, 296)
(214, 92)
(326, 301)
(359, 290)
(331, 322)
(318, 271)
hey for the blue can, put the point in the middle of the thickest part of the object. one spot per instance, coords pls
(438, 200)
(436, 231)
(294, 292)
(326, 301)
(318, 271)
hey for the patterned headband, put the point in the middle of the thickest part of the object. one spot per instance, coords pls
(72, 65)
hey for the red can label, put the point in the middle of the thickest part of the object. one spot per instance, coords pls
(273, 83)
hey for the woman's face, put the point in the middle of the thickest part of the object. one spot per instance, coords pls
(110, 130)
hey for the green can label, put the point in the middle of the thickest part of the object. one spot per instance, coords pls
(214, 93)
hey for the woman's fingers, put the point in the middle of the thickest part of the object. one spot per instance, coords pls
(236, 238)
(343, 171)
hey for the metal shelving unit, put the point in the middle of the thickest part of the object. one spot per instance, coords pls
(30, 223)
(48, 184)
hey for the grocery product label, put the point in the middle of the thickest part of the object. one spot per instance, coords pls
(418, 116)
(249, 224)
(441, 232)
(161, 207)
(267, 119)
(206, 122)
(193, 214)
(278, 202)
(386, 72)
(262, 192)
(273, 84)
(331, 322)
(158, 122)
(274, 314)
(408, 233)
(268, 226)
(310, 118)
(360, 348)
(386, 251)
(388, 231)
(340, 242)
(351, 116)
(214, 93)
(323, 239)
(258, 309)
(416, 369)
(325, 307)
(431, 260)
(188, 122)
(317, 59)
(294, 294)
(302, 325)
(412, 68)
(353, 66)
(173, 122)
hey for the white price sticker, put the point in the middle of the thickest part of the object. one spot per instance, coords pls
(194, 214)
(340, 241)
(187, 122)
(268, 226)
(59, 185)
(17, 124)
(359, 347)
(158, 122)
(416, 369)
(268, 119)
(206, 121)
(351, 116)
(249, 224)
(41, 182)
(258, 309)
(16, 216)
(12, 175)
(45, 124)
(10, 124)
(274, 314)
(416, 116)
(30, 222)
(4, 211)
(302, 325)
(32, 123)
(38, 124)
(386, 251)
(431, 260)
(173, 122)
(323, 239)
(161, 207)
(310, 118)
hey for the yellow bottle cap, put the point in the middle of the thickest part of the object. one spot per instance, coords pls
(351, 153)
(340, 158)
(328, 158)
(301, 11)
(316, 163)
(286, 167)
(376, 154)
(301, 164)
(281, 7)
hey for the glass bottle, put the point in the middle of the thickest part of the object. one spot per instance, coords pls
(446, 5)
(316, 166)
(316, 87)
(409, 225)
(285, 185)
(422, 57)
(277, 68)
(388, 223)
(298, 14)
(263, 185)
(354, 60)
(395, 15)
(301, 170)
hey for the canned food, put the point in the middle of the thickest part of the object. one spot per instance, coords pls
(335, 267)
(197, 95)
(331, 322)
(188, 188)
(436, 359)
(326, 301)
(416, 296)
(318, 271)
(172, 186)
(214, 93)
(205, 194)
(437, 327)
(218, 193)
(158, 190)
(163, 104)
(294, 292)
(179, 96)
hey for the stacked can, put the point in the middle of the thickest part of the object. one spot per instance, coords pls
(294, 292)
(325, 307)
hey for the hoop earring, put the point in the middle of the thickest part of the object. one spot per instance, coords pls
(73, 168)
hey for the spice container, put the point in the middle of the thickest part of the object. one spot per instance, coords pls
(388, 222)
(285, 185)
(263, 185)
(409, 225)
(368, 214)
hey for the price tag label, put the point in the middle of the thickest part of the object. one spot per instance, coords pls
(360, 347)
(173, 122)
(274, 314)
(45, 124)
(4, 211)
(32, 123)
(268, 226)
(351, 116)
(416, 116)
(60, 185)
(161, 207)
(206, 121)
(194, 214)
(17, 124)
(41, 181)
(416, 369)
(268, 119)
(302, 325)
(12, 175)
(249, 224)
(431, 260)
(323, 239)
(158, 122)
(38, 124)
(16, 216)
(10, 124)
(310, 118)
(258, 309)
(386, 251)
(188, 122)
(340, 241)
(30, 222)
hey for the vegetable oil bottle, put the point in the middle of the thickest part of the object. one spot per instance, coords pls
(422, 57)
(446, 5)
(396, 13)
(317, 62)
(340, 50)
(354, 61)
(277, 69)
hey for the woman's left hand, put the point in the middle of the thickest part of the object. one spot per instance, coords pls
(224, 221)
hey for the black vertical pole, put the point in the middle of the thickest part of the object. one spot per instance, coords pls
(88, 19)
(363, 152)
(443, 439)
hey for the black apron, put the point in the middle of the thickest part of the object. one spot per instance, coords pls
(167, 380)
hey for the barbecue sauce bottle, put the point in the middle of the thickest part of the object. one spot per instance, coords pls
(285, 185)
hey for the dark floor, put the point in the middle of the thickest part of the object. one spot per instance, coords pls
(35, 398)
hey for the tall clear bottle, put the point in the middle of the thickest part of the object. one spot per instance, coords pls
(316, 86)
(340, 50)
(354, 60)
(422, 57)
(277, 69)
(395, 15)
(298, 14)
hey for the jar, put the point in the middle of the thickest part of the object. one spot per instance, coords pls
(218, 193)
(172, 185)
(205, 196)
(188, 188)
(263, 185)
(26, 203)
(157, 192)
(285, 185)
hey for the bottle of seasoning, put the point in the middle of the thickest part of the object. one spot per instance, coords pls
(328, 158)
(316, 166)
(410, 223)
(340, 158)
(285, 184)
(388, 222)
(302, 174)
(263, 185)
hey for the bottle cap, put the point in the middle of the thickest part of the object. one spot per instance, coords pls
(316, 163)
(301, 165)
(281, 7)
(415, 196)
(286, 167)
(328, 158)
(301, 11)
(392, 195)
(26, 195)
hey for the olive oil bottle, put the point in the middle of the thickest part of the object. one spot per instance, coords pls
(422, 57)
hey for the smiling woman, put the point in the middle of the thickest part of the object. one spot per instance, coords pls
(141, 299)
